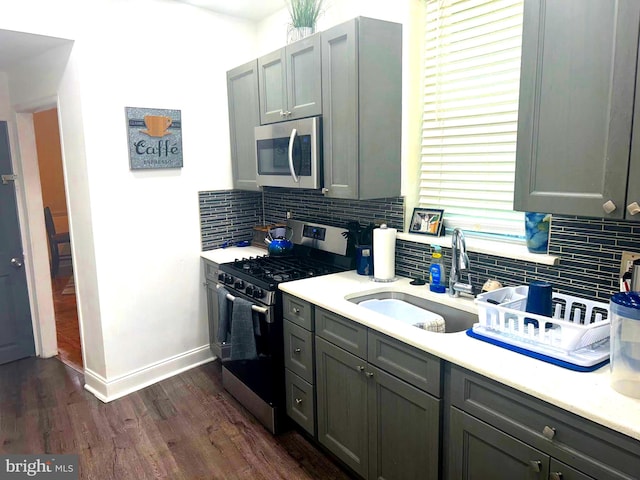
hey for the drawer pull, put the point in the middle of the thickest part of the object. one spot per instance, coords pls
(549, 432)
(369, 374)
(295, 310)
(556, 476)
(360, 368)
(536, 465)
(298, 401)
(297, 350)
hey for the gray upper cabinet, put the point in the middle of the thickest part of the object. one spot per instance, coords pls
(289, 81)
(576, 108)
(362, 109)
(242, 91)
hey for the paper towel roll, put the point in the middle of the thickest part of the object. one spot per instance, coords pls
(384, 253)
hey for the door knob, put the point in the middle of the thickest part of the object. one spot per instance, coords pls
(548, 432)
(609, 206)
(633, 208)
(15, 262)
(535, 465)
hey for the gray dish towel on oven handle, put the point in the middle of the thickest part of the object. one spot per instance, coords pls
(243, 340)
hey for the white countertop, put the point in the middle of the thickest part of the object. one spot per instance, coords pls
(586, 394)
(229, 254)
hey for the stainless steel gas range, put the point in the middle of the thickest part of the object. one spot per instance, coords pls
(254, 375)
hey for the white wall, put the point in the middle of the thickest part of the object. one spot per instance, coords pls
(136, 235)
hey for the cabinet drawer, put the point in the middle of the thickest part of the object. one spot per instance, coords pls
(300, 401)
(342, 332)
(210, 270)
(298, 350)
(414, 366)
(585, 445)
(298, 311)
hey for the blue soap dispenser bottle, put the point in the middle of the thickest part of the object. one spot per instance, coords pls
(436, 271)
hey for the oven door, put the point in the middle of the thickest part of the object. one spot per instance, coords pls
(258, 383)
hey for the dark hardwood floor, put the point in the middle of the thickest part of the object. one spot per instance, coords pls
(185, 427)
(66, 314)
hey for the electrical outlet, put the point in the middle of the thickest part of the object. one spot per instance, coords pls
(289, 216)
(627, 261)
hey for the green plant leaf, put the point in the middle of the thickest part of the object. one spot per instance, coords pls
(304, 13)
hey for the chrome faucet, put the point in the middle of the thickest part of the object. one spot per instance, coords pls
(459, 266)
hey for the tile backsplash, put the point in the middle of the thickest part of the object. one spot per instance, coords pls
(590, 249)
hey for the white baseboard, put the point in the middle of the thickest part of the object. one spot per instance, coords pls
(107, 390)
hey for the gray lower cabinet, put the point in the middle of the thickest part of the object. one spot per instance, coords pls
(477, 450)
(379, 425)
(576, 110)
(299, 362)
(342, 405)
(289, 81)
(362, 109)
(242, 91)
(210, 281)
(498, 432)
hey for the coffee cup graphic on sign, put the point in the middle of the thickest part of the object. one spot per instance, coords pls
(157, 125)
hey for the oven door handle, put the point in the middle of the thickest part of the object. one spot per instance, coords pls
(255, 308)
(292, 169)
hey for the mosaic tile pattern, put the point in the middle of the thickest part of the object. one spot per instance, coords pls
(312, 205)
(590, 249)
(228, 216)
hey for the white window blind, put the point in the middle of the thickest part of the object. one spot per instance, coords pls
(471, 82)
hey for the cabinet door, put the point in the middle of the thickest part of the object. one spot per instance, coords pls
(576, 103)
(341, 404)
(340, 110)
(212, 315)
(633, 183)
(404, 429)
(272, 81)
(479, 451)
(242, 90)
(304, 93)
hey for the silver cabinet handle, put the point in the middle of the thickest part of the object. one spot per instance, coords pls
(282, 113)
(360, 368)
(555, 476)
(298, 401)
(369, 374)
(295, 310)
(609, 206)
(633, 208)
(297, 350)
(535, 465)
(549, 432)
(15, 262)
(325, 190)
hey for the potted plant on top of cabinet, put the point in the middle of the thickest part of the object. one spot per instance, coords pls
(304, 14)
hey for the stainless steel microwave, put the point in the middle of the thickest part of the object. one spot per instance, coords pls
(289, 154)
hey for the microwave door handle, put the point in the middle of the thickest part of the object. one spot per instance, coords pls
(292, 138)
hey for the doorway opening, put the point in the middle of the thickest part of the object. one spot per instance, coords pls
(49, 153)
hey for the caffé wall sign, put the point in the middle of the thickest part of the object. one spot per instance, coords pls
(155, 138)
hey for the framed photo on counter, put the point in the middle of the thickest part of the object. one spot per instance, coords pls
(427, 221)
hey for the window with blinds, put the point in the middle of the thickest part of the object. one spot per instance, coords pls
(471, 82)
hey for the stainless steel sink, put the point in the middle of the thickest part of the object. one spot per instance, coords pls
(455, 320)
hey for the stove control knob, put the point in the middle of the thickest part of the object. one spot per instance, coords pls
(239, 284)
(258, 293)
(221, 277)
(228, 279)
(249, 290)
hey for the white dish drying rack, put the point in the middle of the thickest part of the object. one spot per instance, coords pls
(578, 332)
